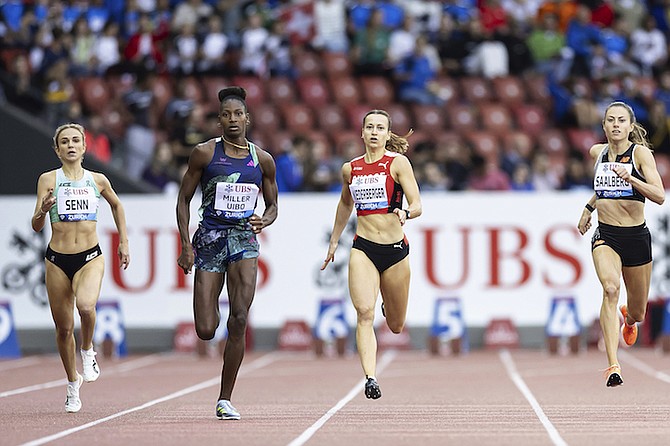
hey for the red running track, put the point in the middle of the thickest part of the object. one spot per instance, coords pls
(518, 397)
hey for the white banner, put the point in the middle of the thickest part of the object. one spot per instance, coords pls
(502, 254)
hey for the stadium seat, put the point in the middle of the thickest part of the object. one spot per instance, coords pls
(448, 137)
(121, 84)
(336, 64)
(378, 91)
(345, 90)
(356, 113)
(211, 86)
(449, 89)
(647, 88)
(278, 141)
(537, 91)
(509, 90)
(462, 117)
(428, 118)
(519, 141)
(265, 117)
(93, 93)
(531, 118)
(163, 92)
(484, 144)
(115, 125)
(476, 89)
(313, 91)
(255, 88)
(298, 117)
(583, 139)
(307, 63)
(554, 143)
(495, 117)
(331, 118)
(401, 120)
(281, 89)
(340, 139)
(192, 88)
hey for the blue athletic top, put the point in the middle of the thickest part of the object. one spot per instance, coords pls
(608, 185)
(75, 200)
(230, 188)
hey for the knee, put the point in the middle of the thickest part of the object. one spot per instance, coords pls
(365, 315)
(395, 327)
(237, 325)
(205, 330)
(86, 311)
(611, 291)
(64, 333)
(636, 313)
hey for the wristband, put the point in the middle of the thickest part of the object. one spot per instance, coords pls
(590, 208)
(406, 213)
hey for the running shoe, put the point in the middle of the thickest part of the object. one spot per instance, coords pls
(226, 411)
(629, 332)
(72, 401)
(91, 371)
(372, 390)
(613, 375)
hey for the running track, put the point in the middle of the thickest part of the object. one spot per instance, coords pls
(517, 397)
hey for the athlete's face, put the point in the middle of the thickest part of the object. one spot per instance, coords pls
(376, 131)
(617, 124)
(71, 145)
(233, 118)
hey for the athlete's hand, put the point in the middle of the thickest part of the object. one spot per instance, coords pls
(622, 172)
(256, 223)
(48, 201)
(584, 222)
(330, 257)
(124, 255)
(186, 259)
(402, 215)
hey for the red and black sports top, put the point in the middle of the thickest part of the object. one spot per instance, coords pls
(372, 187)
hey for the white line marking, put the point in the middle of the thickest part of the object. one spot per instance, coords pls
(307, 434)
(259, 363)
(16, 363)
(506, 359)
(643, 367)
(135, 363)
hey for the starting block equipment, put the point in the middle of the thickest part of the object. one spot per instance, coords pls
(387, 340)
(501, 333)
(448, 327)
(110, 330)
(295, 336)
(9, 344)
(563, 323)
(331, 327)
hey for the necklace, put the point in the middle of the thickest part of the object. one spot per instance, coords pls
(238, 146)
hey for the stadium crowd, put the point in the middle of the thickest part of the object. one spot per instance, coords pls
(502, 94)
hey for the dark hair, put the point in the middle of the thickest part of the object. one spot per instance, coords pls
(234, 92)
(395, 143)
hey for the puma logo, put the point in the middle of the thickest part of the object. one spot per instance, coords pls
(398, 245)
(91, 256)
(384, 165)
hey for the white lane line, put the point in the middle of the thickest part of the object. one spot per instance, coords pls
(257, 364)
(507, 360)
(130, 365)
(307, 434)
(17, 363)
(644, 367)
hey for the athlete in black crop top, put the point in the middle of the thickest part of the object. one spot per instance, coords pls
(625, 175)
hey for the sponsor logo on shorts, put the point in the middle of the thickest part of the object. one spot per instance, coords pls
(91, 256)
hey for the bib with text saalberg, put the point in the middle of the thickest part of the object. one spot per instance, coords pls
(76, 203)
(608, 184)
(236, 200)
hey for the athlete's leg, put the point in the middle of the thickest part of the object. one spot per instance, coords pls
(395, 293)
(364, 289)
(608, 268)
(206, 291)
(241, 289)
(86, 284)
(637, 280)
(61, 302)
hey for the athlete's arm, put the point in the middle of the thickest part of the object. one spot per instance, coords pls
(401, 170)
(45, 200)
(197, 161)
(653, 187)
(119, 215)
(269, 188)
(344, 208)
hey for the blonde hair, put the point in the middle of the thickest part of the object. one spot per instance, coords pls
(70, 125)
(639, 134)
(395, 143)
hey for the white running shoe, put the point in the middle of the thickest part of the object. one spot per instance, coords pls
(91, 370)
(226, 411)
(72, 400)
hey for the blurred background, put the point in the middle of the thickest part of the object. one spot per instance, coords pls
(505, 98)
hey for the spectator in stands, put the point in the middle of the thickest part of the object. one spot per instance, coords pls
(521, 179)
(457, 164)
(402, 42)
(82, 53)
(521, 11)
(546, 175)
(225, 246)
(433, 178)
(58, 93)
(630, 11)
(625, 177)
(581, 36)
(98, 144)
(564, 10)
(416, 75)
(106, 51)
(97, 16)
(319, 172)
(487, 176)
(254, 39)
(576, 174)
(492, 15)
(190, 13)
(330, 25)
(230, 12)
(184, 51)
(278, 52)
(74, 264)
(453, 46)
(140, 138)
(290, 171)
(370, 47)
(19, 88)
(615, 39)
(545, 43)
(513, 36)
(212, 58)
(659, 128)
(143, 50)
(486, 56)
(379, 259)
(160, 173)
(649, 47)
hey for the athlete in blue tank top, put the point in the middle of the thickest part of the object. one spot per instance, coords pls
(231, 172)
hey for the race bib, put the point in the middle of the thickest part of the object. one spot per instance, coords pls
(369, 192)
(235, 200)
(77, 203)
(608, 184)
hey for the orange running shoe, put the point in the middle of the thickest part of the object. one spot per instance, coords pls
(629, 332)
(613, 376)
